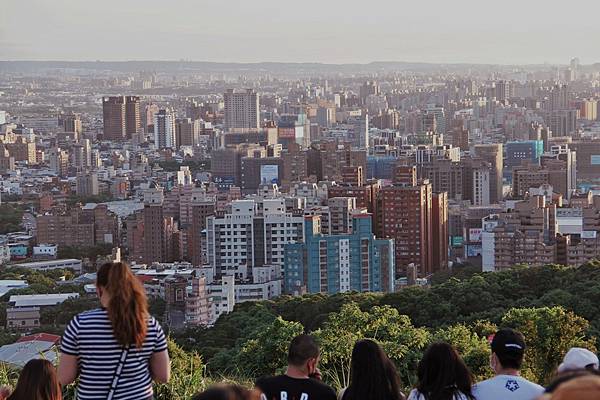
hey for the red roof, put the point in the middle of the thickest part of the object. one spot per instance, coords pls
(43, 337)
(144, 278)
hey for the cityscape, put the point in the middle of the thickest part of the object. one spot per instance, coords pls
(258, 199)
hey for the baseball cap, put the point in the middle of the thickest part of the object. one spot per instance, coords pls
(508, 341)
(579, 358)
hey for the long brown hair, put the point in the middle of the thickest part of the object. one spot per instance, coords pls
(128, 307)
(38, 381)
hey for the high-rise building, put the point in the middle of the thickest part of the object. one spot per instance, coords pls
(563, 122)
(157, 228)
(503, 90)
(164, 129)
(187, 131)
(121, 115)
(87, 184)
(492, 153)
(406, 215)
(71, 122)
(517, 152)
(328, 263)
(440, 231)
(251, 236)
(369, 88)
(202, 207)
(242, 109)
(559, 98)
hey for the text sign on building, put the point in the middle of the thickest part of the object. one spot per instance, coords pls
(269, 174)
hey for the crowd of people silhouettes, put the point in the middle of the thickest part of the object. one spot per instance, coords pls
(117, 351)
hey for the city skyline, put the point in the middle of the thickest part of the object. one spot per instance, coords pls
(462, 32)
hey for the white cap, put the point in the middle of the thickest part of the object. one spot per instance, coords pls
(578, 358)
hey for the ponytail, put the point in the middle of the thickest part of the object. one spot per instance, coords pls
(128, 307)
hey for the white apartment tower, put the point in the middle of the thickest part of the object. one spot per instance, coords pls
(242, 109)
(164, 129)
(252, 234)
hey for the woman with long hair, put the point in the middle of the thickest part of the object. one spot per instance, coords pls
(37, 381)
(442, 375)
(224, 392)
(373, 375)
(118, 349)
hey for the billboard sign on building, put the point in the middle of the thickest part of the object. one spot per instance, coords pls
(224, 182)
(269, 174)
(457, 241)
(473, 250)
(588, 235)
(475, 235)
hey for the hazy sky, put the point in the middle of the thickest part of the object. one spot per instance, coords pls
(331, 31)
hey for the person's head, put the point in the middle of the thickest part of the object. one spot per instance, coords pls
(442, 373)
(585, 387)
(508, 349)
(124, 298)
(38, 381)
(303, 354)
(372, 374)
(579, 358)
(567, 376)
(223, 392)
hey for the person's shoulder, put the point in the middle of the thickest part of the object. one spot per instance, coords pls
(326, 391)
(484, 384)
(414, 395)
(91, 315)
(267, 380)
(532, 385)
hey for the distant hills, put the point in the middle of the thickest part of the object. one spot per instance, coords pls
(260, 67)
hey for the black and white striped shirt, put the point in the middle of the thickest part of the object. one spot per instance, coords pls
(89, 336)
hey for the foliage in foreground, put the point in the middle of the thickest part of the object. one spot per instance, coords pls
(555, 306)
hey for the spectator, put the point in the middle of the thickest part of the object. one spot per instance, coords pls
(116, 350)
(508, 349)
(301, 380)
(568, 376)
(578, 358)
(372, 375)
(442, 375)
(224, 392)
(581, 388)
(37, 381)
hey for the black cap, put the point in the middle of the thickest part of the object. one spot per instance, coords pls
(508, 341)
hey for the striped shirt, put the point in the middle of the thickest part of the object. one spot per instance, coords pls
(89, 336)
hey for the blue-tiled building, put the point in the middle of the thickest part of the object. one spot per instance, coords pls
(339, 263)
(517, 152)
(381, 167)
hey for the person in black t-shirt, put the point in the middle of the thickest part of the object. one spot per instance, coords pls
(301, 379)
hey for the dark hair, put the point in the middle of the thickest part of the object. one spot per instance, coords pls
(442, 373)
(38, 381)
(223, 392)
(302, 348)
(509, 347)
(128, 306)
(568, 376)
(373, 375)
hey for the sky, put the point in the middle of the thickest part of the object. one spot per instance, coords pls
(328, 31)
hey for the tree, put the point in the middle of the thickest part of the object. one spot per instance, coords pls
(266, 354)
(474, 349)
(187, 375)
(402, 342)
(549, 334)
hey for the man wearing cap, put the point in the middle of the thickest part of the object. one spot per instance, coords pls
(578, 358)
(508, 349)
